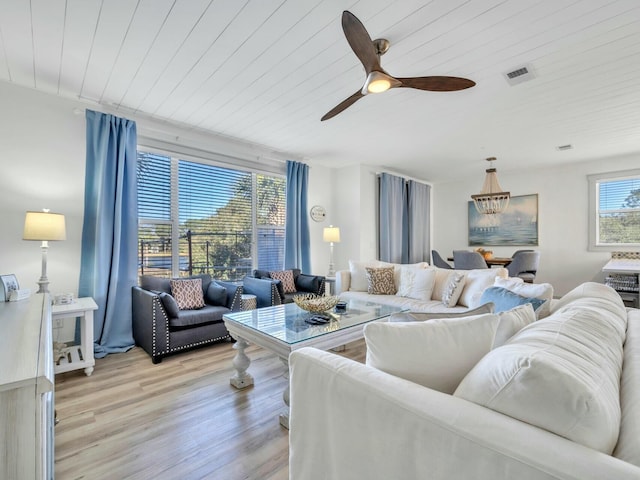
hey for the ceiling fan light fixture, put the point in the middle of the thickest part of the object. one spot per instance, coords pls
(378, 82)
(491, 200)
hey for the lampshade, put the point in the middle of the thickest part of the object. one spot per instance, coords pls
(491, 199)
(331, 234)
(44, 226)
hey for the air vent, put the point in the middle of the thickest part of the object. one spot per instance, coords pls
(562, 148)
(520, 74)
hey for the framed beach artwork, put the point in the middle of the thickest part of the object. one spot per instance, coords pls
(516, 226)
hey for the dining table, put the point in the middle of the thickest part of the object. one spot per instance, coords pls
(493, 261)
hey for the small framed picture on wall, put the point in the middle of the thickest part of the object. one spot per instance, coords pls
(8, 283)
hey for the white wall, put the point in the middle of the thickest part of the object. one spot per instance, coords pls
(562, 218)
(319, 193)
(43, 157)
(354, 206)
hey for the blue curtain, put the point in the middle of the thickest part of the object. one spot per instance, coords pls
(297, 246)
(418, 200)
(108, 267)
(393, 227)
(403, 220)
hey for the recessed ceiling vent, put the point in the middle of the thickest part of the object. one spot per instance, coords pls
(520, 74)
(562, 148)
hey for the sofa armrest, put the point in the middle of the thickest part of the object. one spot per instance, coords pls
(343, 281)
(150, 322)
(266, 291)
(353, 414)
(234, 295)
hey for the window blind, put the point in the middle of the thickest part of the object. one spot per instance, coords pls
(154, 214)
(619, 211)
(200, 218)
(271, 209)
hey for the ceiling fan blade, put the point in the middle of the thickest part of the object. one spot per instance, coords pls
(342, 105)
(437, 84)
(360, 42)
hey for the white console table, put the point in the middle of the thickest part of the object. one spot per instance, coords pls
(77, 356)
(26, 389)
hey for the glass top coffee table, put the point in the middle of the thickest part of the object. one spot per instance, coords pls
(283, 329)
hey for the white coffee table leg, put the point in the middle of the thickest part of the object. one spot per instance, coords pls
(284, 415)
(241, 362)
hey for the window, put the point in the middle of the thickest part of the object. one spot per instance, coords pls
(200, 218)
(615, 210)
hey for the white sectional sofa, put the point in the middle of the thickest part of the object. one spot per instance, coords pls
(352, 284)
(560, 399)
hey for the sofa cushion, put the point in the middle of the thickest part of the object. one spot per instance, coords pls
(359, 274)
(216, 294)
(193, 318)
(560, 373)
(380, 281)
(438, 353)
(286, 277)
(188, 293)
(416, 283)
(169, 303)
(405, 303)
(453, 289)
(543, 291)
(506, 300)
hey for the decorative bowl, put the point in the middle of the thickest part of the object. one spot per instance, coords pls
(314, 303)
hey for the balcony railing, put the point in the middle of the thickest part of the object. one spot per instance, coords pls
(200, 252)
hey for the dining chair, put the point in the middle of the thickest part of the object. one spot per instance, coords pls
(518, 251)
(438, 261)
(466, 260)
(524, 265)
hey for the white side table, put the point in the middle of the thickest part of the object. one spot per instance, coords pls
(77, 356)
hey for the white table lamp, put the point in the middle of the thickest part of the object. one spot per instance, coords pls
(44, 226)
(331, 234)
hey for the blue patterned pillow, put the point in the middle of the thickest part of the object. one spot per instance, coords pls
(506, 300)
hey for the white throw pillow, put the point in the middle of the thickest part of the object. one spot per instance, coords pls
(358, 271)
(436, 354)
(442, 277)
(453, 289)
(512, 321)
(400, 267)
(416, 283)
(543, 291)
(476, 282)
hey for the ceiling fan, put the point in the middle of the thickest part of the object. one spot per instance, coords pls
(369, 52)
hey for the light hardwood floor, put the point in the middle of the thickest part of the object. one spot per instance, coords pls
(178, 419)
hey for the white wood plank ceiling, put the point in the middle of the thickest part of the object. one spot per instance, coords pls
(265, 71)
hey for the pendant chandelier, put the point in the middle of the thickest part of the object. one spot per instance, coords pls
(491, 199)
